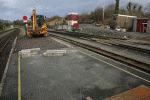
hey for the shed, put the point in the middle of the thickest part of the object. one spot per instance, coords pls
(123, 21)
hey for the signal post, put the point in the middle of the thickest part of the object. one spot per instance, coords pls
(25, 21)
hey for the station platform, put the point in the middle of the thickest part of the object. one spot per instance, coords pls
(74, 76)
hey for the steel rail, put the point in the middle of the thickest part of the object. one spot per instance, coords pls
(6, 40)
(7, 36)
(130, 61)
(133, 48)
(2, 32)
(118, 44)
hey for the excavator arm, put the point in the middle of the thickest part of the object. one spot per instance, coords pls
(35, 25)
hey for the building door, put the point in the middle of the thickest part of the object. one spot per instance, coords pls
(144, 27)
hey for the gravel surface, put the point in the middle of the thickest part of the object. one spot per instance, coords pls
(89, 29)
(133, 38)
(40, 42)
(44, 43)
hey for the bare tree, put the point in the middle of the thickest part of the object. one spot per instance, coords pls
(18, 22)
(109, 10)
(135, 6)
(97, 14)
(123, 11)
(135, 9)
(52, 18)
(140, 8)
(85, 18)
(147, 10)
(1, 22)
(129, 6)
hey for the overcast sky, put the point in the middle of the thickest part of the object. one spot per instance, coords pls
(16, 9)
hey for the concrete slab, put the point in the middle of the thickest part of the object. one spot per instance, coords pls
(25, 53)
(56, 51)
(88, 98)
(28, 52)
(52, 54)
(34, 51)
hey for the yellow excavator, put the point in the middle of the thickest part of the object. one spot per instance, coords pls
(38, 26)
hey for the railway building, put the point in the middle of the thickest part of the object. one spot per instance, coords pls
(123, 21)
(73, 19)
(70, 25)
(130, 23)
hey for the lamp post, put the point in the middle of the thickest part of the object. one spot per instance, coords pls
(103, 9)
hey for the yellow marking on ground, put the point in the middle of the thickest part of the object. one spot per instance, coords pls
(110, 64)
(19, 82)
(113, 65)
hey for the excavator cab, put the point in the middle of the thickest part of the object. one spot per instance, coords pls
(40, 20)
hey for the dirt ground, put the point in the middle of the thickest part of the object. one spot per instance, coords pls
(89, 29)
(146, 38)
(38, 42)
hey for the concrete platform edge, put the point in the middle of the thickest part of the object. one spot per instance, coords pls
(6, 68)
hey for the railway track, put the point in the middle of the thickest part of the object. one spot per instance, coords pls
(2, 32)
(77, 34)
(4, 41)
(89, 37)
(132, 62)
(133, 48)
(5, 48)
